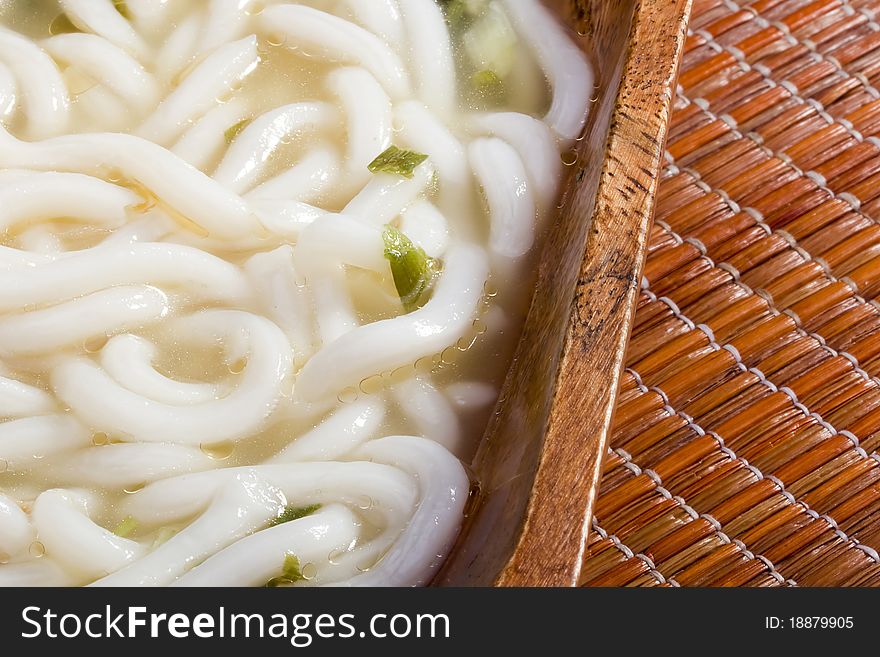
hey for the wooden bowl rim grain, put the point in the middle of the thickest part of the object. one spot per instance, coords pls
(539, 469)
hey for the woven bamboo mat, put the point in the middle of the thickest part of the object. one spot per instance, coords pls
(745, 448)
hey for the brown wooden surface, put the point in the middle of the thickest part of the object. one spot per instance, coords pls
(746, 436)
(539, 463)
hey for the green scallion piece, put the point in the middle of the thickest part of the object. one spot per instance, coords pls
(234, 130)
(290, 572)
(294, 513)
(488, 83)
(397, 161)
(126, 527)
(412, 269)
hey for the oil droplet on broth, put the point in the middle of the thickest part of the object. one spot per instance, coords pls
(309, 571)
(100, 438)
(237, 366)
(466, 343)
(131, 490)
(218, 451)
(423, 365)
(570, 158)
(276, 40)
(364, 502)
(36, 549)
(367, 564)
(347, 396)
(448, 355)
(372, 385)
(399, 375)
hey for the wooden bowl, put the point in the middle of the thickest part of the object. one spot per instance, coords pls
(539, 463)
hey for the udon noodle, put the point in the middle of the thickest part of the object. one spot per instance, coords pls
(262, 266)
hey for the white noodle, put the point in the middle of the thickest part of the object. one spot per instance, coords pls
(368, 114)
(64, 195)
(199, 91)
(61, 518)
(431, 412)
(166, 265)
(245, 504)
(16, 532)
(255, 144)
(32, 438)
(44, 95)
(536, 146)
(203, 143)
(178, 51)
(128, 359)
(282, 299)
(388, 344)
(225, 22)
(386, 195)
(305, 181)
(18, 399)
(430, 50)
(172, 180)
(425, 225)
(8, 92)
(129, 465)
(73, 322)
(509, 195)
(341, 433)
(103, 402)
(254, 560)
(108, 64)
(381, 17)
(327, 36)
(101, 17)
(565, 65)
(43, 572)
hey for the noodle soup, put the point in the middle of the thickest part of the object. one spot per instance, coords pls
(264, 264)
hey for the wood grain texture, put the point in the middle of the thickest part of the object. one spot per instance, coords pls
(538, 465)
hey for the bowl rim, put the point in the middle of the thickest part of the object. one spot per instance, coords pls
(548, 549)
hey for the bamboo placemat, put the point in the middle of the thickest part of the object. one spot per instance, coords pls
(745, 444)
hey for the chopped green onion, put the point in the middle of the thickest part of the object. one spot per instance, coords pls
(460, 12)
(397, 161)
(126, 527)
(455, 12)
(488, 83)
(294, 513)
(234, 130)
(412, 269)
(290, 572)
